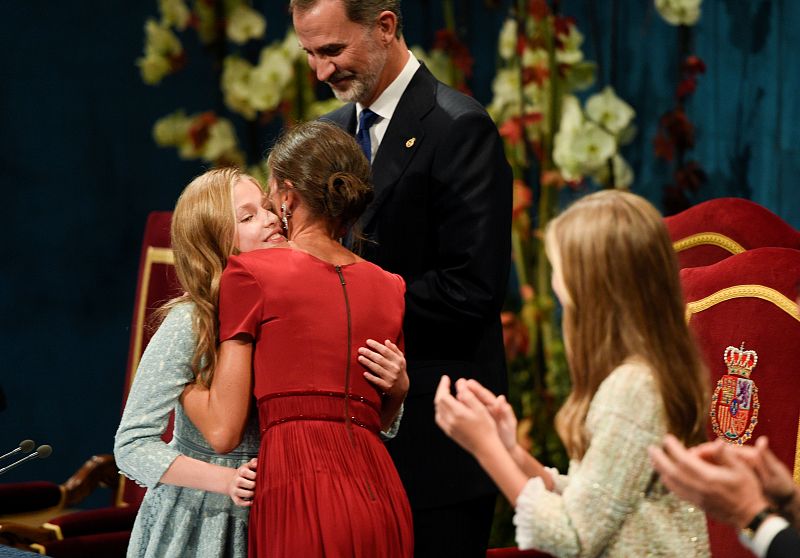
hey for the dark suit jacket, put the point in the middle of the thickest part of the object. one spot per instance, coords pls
(441, 218)
(786, 544)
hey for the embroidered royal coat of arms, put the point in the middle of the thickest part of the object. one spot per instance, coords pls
(734, 405)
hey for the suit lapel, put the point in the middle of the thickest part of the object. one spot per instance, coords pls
(403, 138)
(344, 117)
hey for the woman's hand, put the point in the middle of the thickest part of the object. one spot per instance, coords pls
(242, 486)
(464, 418)
(386, 368)
(501, 411)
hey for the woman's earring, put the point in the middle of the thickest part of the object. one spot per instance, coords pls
(285, 218)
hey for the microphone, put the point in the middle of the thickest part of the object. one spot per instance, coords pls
(41, 451)
(25, 446)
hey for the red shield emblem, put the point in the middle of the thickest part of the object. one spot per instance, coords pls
(734, 405)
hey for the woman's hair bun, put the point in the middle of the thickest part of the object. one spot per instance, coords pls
(346, 196)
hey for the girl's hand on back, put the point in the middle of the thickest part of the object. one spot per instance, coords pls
(386, 368)
(242, 486)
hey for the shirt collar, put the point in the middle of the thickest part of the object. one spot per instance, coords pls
(386, 103)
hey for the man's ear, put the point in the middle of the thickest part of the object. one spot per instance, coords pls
(387, 24)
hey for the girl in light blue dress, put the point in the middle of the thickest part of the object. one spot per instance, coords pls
(197, 501)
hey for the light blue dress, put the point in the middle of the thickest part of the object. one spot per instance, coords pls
(174, 521)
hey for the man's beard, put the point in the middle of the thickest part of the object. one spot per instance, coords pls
(362, 87)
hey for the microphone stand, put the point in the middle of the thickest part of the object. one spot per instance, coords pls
(41, 451)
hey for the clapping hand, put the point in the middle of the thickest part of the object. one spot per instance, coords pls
(712, 476)
(499, 408)
(776, 479)
(464, 418)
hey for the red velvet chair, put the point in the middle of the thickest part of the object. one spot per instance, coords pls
(716, 229)
(749, 299)
(101, 532)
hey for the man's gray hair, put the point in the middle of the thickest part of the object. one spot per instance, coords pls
(363, 12)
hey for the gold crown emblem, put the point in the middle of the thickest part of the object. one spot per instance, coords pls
(739, 361)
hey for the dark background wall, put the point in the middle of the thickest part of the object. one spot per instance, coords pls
(79, 171)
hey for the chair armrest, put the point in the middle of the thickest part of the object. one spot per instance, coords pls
(99, 470)
(22, 536)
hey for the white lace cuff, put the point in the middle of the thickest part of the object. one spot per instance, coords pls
(524, 517)
(560, 481)
(394, 428)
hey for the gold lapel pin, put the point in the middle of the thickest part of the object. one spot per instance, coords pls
(410, 143)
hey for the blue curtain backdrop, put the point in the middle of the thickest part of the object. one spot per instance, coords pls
(79, 171)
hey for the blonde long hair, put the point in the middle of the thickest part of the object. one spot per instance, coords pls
(203, 237)
(621, 277)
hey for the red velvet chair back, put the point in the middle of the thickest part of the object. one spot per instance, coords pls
(156, 284)
(714, 230)
(749, 299)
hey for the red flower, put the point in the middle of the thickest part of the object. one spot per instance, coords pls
(515, 335)
(690, 177)
(536, 146)
(523, 197)
(686, 87)
(537, 74)
(552, 178)
(663, 147)
(200, 128)
(177, 61)
(563, 24)
(538, 9)
(694, 65)
(679, 129)
(522, 41)
(447, 41)
(513, 128)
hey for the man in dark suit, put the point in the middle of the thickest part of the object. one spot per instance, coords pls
(441, 218)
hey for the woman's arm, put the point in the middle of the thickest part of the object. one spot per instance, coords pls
(220, 412)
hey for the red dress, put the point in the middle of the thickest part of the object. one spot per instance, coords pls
(326, 486)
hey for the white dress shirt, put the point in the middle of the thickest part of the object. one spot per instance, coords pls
(763, 536)
(386, 103)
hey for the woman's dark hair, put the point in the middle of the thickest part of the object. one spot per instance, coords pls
(326, 168)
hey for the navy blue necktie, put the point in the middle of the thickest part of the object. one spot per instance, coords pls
(365, 122)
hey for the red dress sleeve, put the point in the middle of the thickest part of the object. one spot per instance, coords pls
(240, 301)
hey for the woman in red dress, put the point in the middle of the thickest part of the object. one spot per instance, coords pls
(325, 485)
